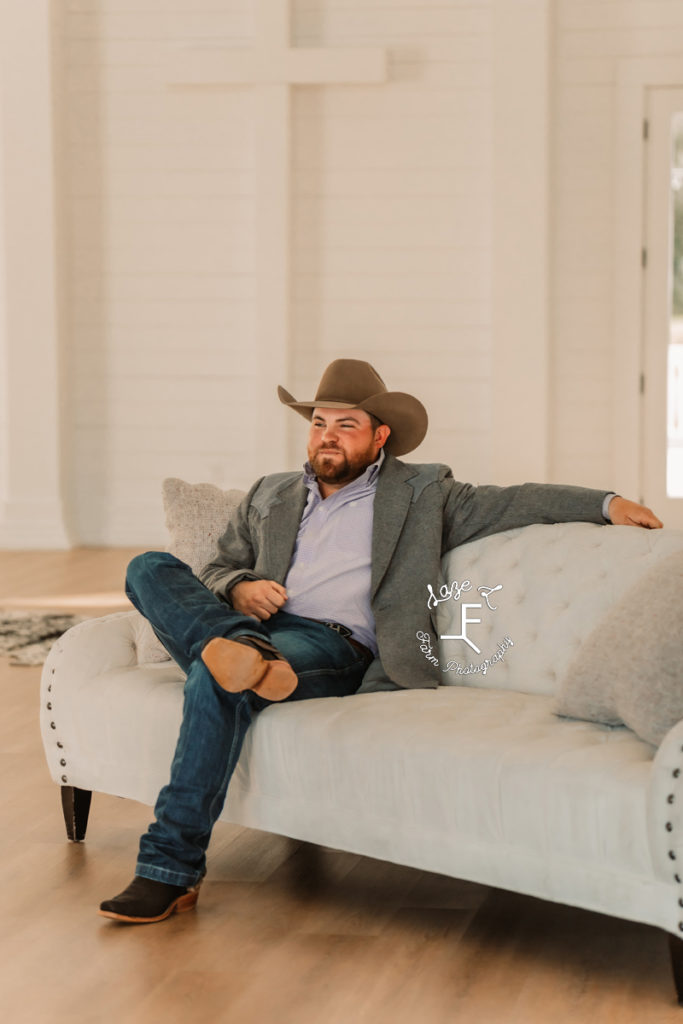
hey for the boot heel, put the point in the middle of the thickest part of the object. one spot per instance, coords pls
(187, 902)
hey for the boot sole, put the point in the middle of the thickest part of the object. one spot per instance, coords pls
(238, 667)
(178, 906)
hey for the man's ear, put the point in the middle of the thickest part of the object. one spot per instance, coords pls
(382, 434)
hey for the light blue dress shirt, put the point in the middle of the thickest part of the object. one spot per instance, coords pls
(329, 575)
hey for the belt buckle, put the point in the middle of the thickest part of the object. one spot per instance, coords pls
(338, 628)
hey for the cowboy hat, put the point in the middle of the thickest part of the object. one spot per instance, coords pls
(354, 384)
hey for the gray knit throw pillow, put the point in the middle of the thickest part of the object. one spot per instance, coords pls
(196, 517)
(629, 671)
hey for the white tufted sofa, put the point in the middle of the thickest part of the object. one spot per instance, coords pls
(479, 780)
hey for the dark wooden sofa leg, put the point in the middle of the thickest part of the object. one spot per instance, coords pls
(307, 869)
(676, 950)
(76, 807)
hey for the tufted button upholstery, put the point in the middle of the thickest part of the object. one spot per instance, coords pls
(558, 581)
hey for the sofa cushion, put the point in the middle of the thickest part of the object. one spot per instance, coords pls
(629, 671)
(485, 785)
(196, 517)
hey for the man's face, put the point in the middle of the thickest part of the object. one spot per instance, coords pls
(342, 443)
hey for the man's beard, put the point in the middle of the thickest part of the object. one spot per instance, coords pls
(340, 469)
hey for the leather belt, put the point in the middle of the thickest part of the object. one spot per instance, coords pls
(346, 633)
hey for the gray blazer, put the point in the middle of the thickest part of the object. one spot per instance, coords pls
(420, 512)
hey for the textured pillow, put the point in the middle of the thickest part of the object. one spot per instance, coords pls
(629, 671)
(196, 517)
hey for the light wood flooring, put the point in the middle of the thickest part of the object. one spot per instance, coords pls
(283, 934)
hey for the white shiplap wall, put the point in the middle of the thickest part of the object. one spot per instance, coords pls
(391, 241)
(161, 264)
(392, 238)
(392, 214)
(591, 38)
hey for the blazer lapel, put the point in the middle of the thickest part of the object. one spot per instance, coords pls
(281, 526)
(392, 501)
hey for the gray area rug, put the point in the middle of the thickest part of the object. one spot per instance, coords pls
(28, 636)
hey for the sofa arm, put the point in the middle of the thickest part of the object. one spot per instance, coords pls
(79, 657)
(665, 809)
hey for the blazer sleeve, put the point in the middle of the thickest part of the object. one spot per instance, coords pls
(473, 512)
(236, 555)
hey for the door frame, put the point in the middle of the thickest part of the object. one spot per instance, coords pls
(634, 77)
(663, 104)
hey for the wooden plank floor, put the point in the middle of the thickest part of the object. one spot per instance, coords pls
(282, 934)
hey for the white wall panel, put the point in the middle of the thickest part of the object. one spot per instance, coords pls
(392, 214)
(590, 40)
(160, 216)
(31, 508)
(393, 237)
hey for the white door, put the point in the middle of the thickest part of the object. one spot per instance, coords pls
(662, 362)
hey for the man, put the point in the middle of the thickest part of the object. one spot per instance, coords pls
(318, 588)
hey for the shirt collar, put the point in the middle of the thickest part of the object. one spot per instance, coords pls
(367, 478)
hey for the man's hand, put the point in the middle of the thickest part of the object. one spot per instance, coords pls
(623, 512)
(258, 598)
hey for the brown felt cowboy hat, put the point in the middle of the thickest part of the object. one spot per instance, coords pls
(354, 384)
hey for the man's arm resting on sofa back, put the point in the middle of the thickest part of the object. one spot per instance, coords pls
(474, 512)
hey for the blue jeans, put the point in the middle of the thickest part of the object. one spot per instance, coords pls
(185, 615)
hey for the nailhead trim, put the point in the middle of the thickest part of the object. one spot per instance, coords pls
(671, 798)
(53, 725)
